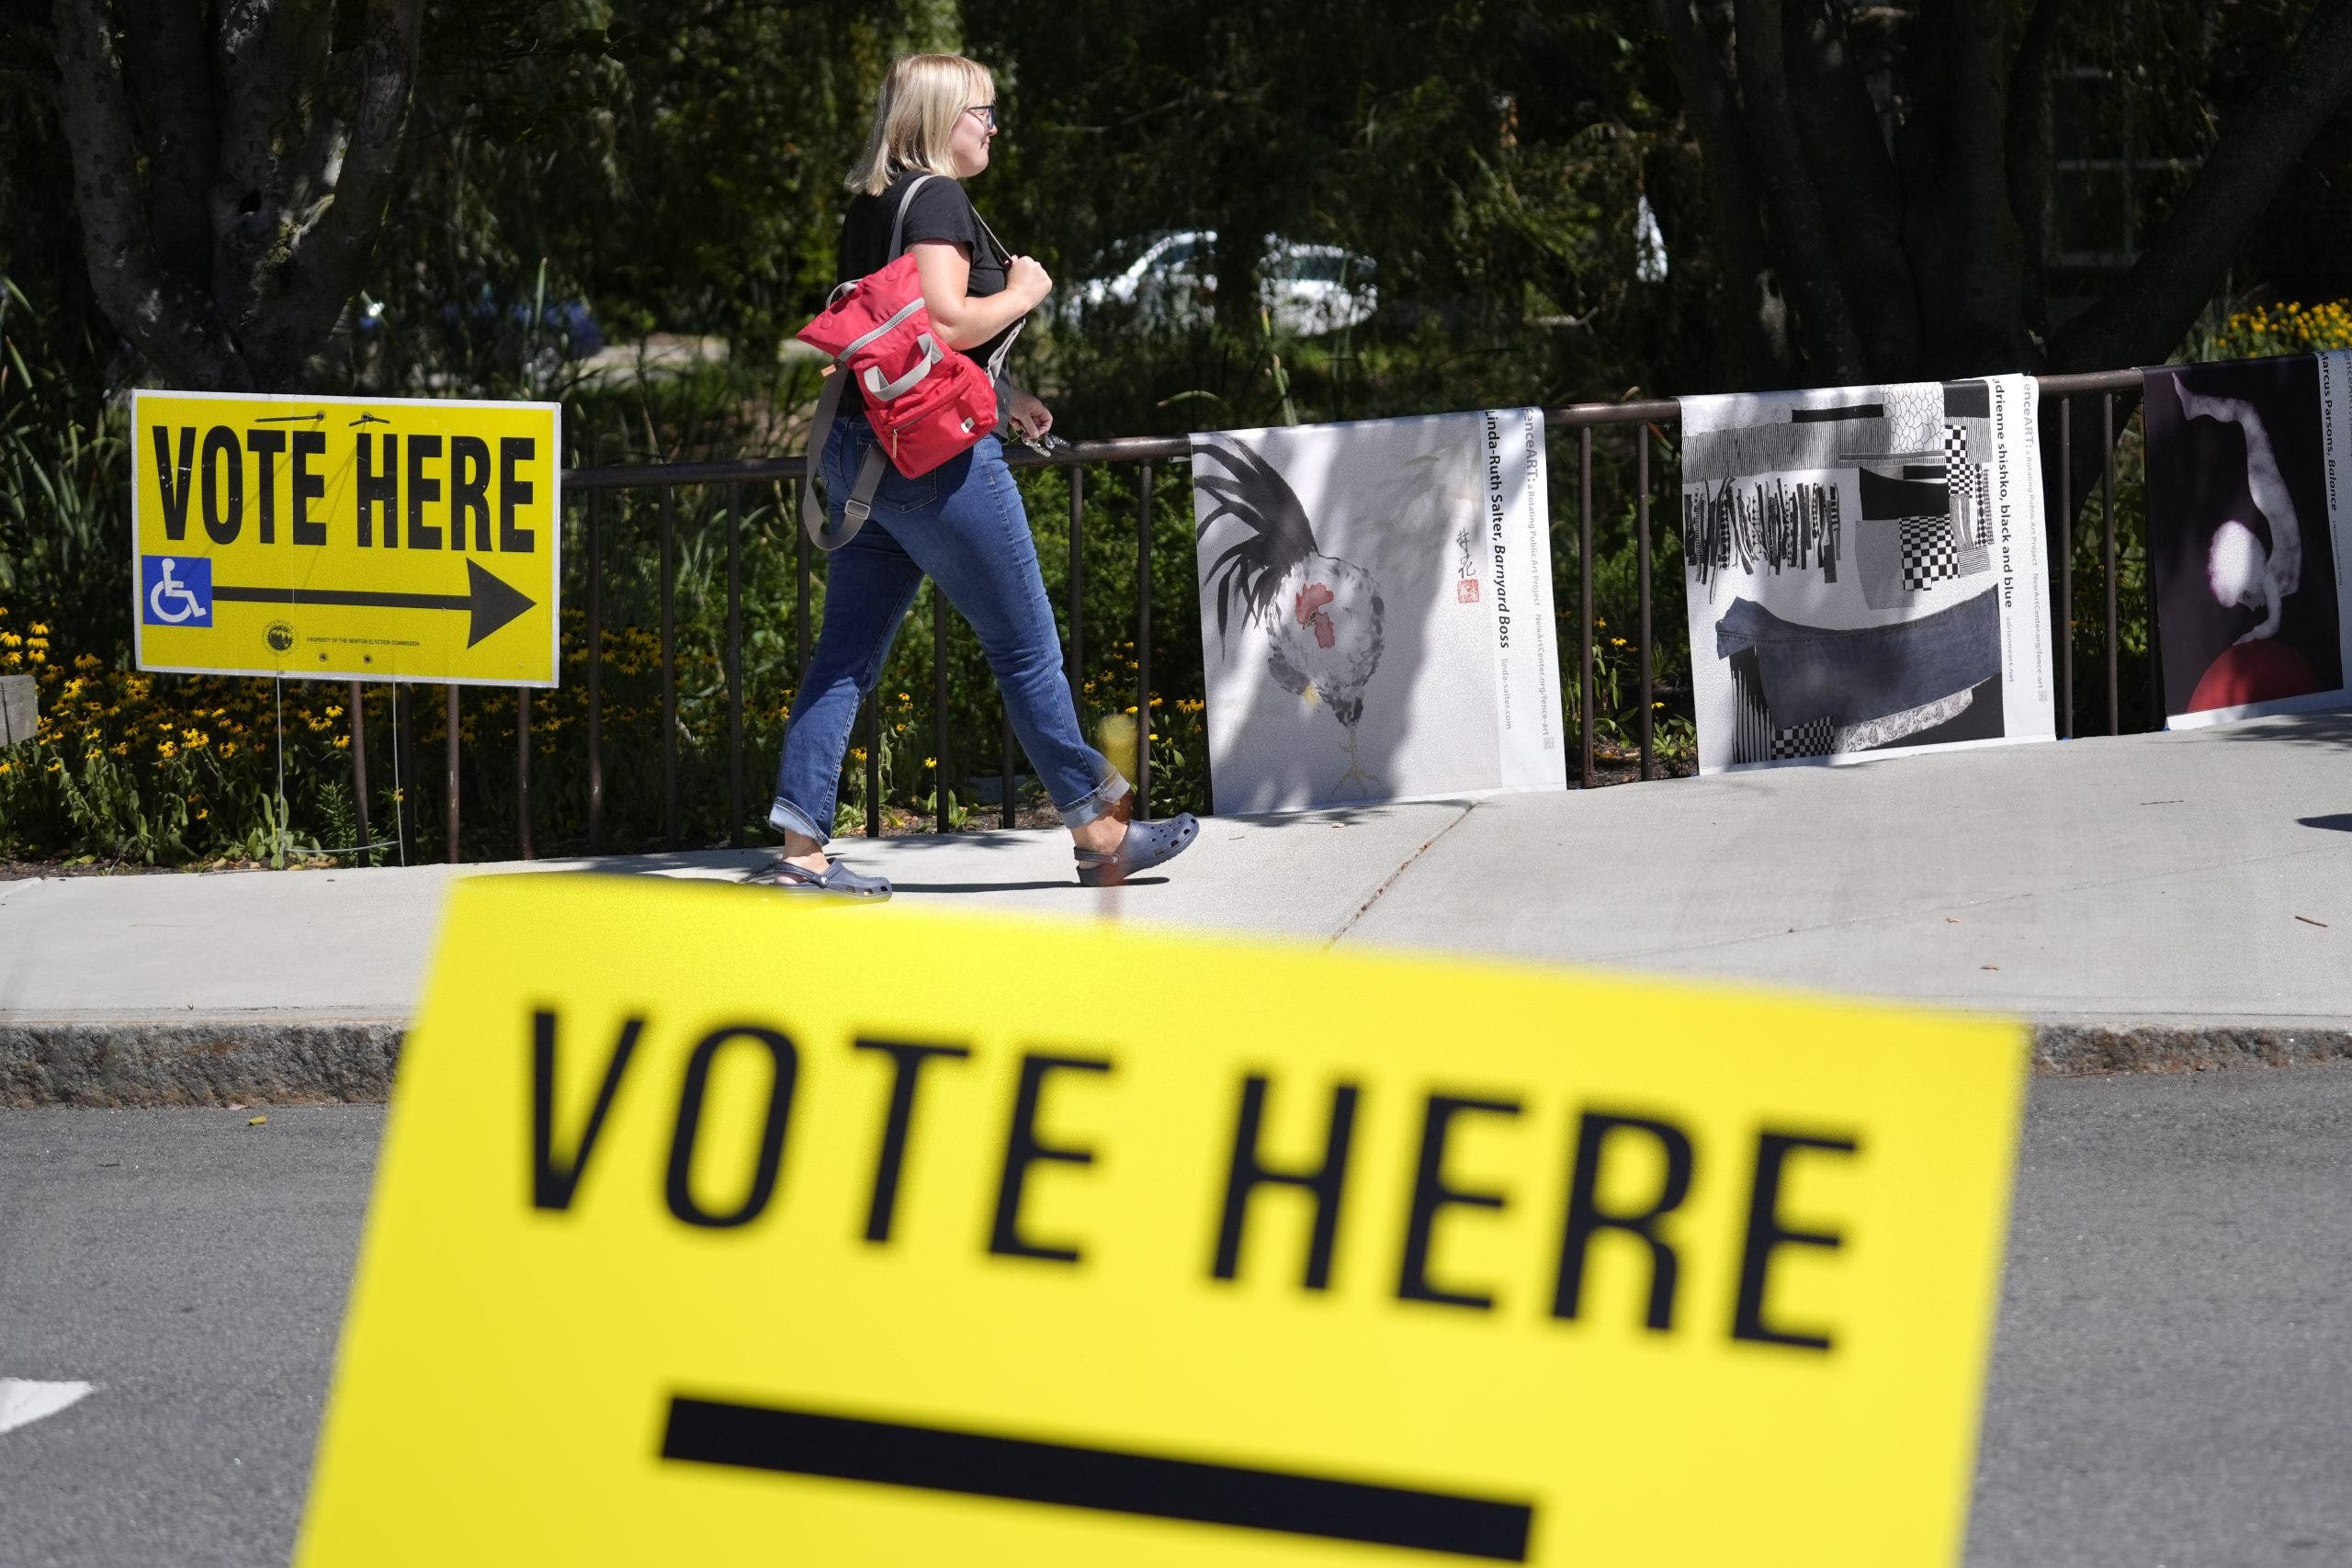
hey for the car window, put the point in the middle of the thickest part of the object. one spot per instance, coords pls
(1318, 263)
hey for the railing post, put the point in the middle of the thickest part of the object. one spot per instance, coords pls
(939, 706)
(595, 673)
(359, 710)
(405, 737)
(2148, 616)
(1075, 660)
(2107, 510)
(1642, 526)
(523, 771)
(801, 605)
(2066, 635)
(874, 764)
(1143, 641)
(669, 669)
(1005, 780)
(1584, 619)
(450, 719)
(735, 665)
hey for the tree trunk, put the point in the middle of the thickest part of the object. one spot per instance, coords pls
(231, 179)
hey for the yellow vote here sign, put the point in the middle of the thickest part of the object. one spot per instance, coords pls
(712, 1227)
(351, 539)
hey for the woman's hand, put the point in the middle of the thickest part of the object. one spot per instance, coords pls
(1029, 415)
(1028, 278)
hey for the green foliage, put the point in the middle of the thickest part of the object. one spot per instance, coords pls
(64, 515)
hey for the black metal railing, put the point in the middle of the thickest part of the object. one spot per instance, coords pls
(589, 489)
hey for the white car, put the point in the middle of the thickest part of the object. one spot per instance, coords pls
(1306, 289)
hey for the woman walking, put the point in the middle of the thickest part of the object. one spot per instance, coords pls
(961, 525)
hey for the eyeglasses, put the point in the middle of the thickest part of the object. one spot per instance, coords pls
(987, 113)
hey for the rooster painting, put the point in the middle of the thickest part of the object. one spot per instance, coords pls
(1320, 614)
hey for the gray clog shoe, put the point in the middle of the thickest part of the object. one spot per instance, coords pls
(1147, 844)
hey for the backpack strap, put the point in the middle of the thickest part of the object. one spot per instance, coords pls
(859, 505)
(898, 223)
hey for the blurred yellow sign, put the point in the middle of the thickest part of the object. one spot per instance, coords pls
(712, 1226)
(352, 538)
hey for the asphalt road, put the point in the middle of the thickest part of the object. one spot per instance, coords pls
(2172, 1385)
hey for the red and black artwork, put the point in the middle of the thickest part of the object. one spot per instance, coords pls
(2243, 537)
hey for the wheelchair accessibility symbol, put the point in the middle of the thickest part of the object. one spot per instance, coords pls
(175, 591)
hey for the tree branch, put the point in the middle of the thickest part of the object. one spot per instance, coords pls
(271, 62)
(163, 316)
(325, 259)
(1798, 224)
(1959, 230)
(163, 60)
(2141, 319)
(1840, 128)
(1755, 324)
(2026, 143)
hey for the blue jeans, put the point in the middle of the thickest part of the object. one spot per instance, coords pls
(963, 526)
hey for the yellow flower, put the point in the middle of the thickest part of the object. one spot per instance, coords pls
(203, 812)
(342, 743)
(40, 628)
(166, 750)
(334, 712)
(5, 768)
(228, 748)
(930, 762)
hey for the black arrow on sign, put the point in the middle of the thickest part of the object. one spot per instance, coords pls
(293, 419)
(493, 603)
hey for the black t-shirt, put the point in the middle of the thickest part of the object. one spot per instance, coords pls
(939, 210)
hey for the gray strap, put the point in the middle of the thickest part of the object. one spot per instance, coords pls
(820, 428)
(896, 316)
(899, 224)
(886, 390)
(859, 506)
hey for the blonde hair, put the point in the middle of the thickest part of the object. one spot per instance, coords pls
(914, 116)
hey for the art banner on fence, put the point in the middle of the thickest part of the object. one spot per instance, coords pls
(2249, 525)
(1376, 611)
(1865, 571)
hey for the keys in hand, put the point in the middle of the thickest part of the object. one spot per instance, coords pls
(1044, 446)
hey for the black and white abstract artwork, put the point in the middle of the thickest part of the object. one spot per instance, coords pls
(1376, 614)
(1864, 570)
(2248, 527)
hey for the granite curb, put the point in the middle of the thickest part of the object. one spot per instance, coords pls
(251, 1062)
(196, 1062)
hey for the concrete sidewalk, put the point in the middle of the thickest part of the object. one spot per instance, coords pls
(2149, 900)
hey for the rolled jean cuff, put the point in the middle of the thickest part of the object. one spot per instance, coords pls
(787, 818)
(1107, 795)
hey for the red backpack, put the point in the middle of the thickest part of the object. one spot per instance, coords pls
(925, 401)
